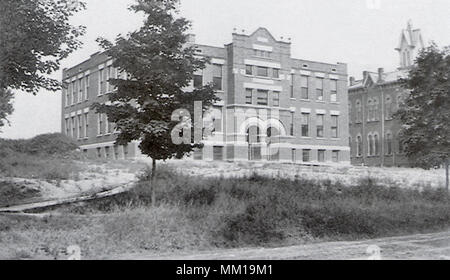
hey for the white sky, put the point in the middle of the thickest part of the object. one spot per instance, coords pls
(325, 30)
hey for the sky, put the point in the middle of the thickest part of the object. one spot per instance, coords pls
(355, 32)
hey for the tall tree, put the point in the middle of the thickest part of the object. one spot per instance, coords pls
(160, 67)
(35, 35)
(425, 114)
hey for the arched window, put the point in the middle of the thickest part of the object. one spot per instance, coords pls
(388, 143)
(358, 145)
(370, 145)
(376, 144)
(369, 110)
(375, 113)
(358, 111)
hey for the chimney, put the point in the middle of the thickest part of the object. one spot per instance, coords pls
(352, 81)
(365, 75)
(380, 75)
(191, 38)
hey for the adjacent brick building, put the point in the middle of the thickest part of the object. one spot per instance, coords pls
(273, 107)
(374, 134)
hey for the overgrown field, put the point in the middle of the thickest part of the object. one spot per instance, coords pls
(195, 213)
(48, 157)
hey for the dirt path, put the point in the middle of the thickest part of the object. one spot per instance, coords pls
(433, 246)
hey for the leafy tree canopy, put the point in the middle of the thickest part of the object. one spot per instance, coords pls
(159, 67)
(35, 35)
(425, 114)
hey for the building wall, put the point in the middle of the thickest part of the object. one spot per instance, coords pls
(380, 125)
(229, 141)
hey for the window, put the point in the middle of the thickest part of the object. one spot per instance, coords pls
(333, 89)
(81, 90)
(80, 127)
(306, 155)
(99, 152)
(334, 126)
(262, 97)
(276, 73)
(358, 111)
(319, 125)
(249, 70)
(371, 145)
(75, 92)
(217, 77)
(292, 124)
(99, 124)
(276, 98)
(376, 148)
(218, 153)
(66, 94)
(217, 119)
(70, 89)
(292, 85)
(198, 81)
(375, 112)
(67, 127)
(101, 81)
(111, 75)
(261, 53)
(388, 108)
(116, 152)
(321, 155)
(389, 143)
(319, 89)
(73, 128)
(107, 152)
(108, 124)
(248, 96)
(304, 87)
(359, 146)
(335, 156)
(86, 125)
(305, 124)
(369, 110)
(86, 87)
(294, 155)
(262, 71)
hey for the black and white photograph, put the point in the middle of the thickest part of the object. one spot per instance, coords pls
(238, 130)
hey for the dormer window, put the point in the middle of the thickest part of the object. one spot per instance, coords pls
(305, 65)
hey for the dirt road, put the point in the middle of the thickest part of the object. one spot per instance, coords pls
(434, 246)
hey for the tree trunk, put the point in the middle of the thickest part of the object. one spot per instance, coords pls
(152, 182)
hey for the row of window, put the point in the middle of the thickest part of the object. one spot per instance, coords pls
(77, 127)
(306, 124)
(319, 88)
(78, 90)
(262, 97)
(261, 71)
(373, 109)
(112, 152)
(373, 144)
(254, 154)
